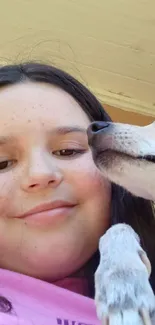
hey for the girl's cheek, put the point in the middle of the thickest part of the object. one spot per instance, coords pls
(9, 194)
(83, 163)
(5, 205)
(88, 170)
(85, 176)
(8, 186)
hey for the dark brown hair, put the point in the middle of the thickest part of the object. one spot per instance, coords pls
(124, 207)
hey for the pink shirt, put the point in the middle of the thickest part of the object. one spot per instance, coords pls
(36, 302)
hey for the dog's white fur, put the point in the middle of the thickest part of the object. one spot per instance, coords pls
(124, 143)
(123, 293)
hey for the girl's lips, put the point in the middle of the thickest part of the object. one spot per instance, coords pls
(47, 213)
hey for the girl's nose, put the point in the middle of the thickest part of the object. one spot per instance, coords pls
(41, 172)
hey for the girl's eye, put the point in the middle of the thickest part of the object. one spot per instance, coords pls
(68, 152)
(5, 164)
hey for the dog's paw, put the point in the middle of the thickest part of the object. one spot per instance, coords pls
(124, 297)
(123, 294)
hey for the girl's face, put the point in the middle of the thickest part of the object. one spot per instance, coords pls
(54, 204)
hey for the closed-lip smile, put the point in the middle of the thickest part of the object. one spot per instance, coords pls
(45, 213)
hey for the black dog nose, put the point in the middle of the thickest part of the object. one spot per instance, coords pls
(94, 128)
(97, 126)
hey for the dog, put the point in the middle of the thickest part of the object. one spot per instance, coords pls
(125, 154)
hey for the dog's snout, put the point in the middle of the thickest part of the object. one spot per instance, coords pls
(97, 126)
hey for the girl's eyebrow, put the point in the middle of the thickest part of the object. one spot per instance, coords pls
(62, 130)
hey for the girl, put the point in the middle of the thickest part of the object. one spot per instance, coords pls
(54, 203)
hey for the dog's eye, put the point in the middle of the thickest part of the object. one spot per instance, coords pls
(150, 158)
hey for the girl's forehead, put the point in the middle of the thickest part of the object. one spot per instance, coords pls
(39, 104)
